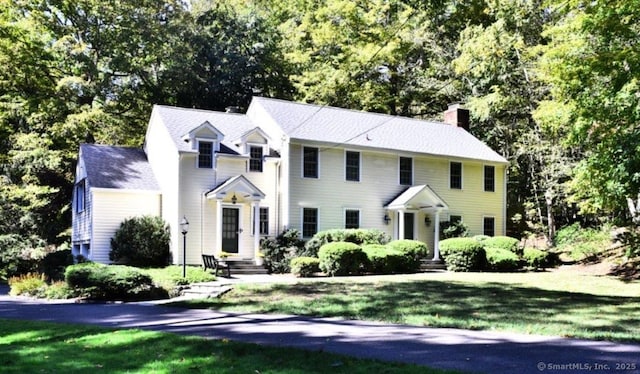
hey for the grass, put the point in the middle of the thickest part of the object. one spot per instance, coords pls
(42, 347)
(547, 303)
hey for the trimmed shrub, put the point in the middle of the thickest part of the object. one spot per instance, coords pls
(54, 264)
(462, 254)
(503, 242)
(499, 259)
(384, 260)
(455, 229)
(109, 282)
(142, 242)
(342, 258)
(279, 251)
(536, 258)
(412, 250)
(305, 266)
(30, 284)
(357, 236)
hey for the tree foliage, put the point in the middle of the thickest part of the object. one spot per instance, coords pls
(551, 85)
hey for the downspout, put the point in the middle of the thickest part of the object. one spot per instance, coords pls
(203, 201)
(504, 201)
(278, 199)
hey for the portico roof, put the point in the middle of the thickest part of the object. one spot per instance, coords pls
(418, 197)
(238, 185)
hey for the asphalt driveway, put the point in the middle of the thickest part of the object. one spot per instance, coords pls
(470, 351)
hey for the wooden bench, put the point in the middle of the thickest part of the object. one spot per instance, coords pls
(211, 262)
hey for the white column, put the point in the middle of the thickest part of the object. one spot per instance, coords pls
(436, 237)
(256, 227)
(400, 224)
(218, 247)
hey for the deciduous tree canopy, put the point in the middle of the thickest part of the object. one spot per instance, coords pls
(553, 85)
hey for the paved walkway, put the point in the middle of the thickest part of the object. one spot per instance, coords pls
(469, 351)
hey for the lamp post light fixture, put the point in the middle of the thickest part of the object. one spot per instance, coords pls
(184, 226)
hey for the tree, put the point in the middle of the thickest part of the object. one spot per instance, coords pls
(590, 63)
(496, 61)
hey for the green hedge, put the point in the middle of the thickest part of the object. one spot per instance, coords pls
(305, 266)
(536, 258)
(499, 259)
(412, 250)
(503, 242)
(357, 236)
(462, 254)
(384, 260)
(109, 282)
(342, 258)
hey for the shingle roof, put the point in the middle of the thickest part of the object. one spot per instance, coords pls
(117, 167)
(344, 127)
(180, 121)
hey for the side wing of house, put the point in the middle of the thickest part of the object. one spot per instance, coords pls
(112, 184)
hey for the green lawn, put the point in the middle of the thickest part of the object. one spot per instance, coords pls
(548, 303)
(40, 347)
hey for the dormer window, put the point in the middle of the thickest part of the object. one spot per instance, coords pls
(205, 154)
(256, 154)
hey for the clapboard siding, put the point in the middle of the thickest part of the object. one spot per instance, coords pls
(379, 184)
(110, 208)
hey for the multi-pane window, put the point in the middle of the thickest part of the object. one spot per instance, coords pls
(310, 162)
(489, 178)
(80, 196)
(351, 219)
(455, 175)
(406, 171)
(264, 221)
(255, 158)
(309, 222)
(205, 154)
(489, 226)
(352, 166)
(455, 219)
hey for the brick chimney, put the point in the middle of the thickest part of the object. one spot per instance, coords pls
(457, 116)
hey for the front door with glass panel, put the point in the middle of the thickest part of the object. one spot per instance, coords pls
(230, 229)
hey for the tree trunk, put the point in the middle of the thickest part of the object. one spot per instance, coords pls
(551, 221)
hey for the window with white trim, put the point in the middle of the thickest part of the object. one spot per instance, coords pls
(489, 178)
(352, 219)
(256, 154)
(309, 222)
(80, 197)
(352, 166)
(264, 221)
(310, 162)
(489, 226)
(406, 171)
(205, 154)
(455, 175)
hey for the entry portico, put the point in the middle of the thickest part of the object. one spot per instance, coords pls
(424, 199)
(236, 191)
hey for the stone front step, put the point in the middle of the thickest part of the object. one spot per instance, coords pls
(205, 290)
(429, 265)
(245, 267)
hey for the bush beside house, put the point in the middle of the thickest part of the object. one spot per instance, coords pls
(142, 241)
(462, 254)
(342, 258)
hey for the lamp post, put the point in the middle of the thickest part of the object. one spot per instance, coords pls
(184, 225)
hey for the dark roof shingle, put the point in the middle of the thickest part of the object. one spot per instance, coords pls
(117, 167)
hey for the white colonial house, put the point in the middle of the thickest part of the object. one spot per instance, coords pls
(238, 178)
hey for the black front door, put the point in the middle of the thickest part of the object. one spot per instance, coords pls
(230, 229)
(408, 225)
